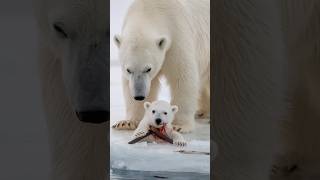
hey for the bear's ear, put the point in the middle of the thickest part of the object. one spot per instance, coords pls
(162, 43)
(117, 40)
(146, 105)
(174, 109)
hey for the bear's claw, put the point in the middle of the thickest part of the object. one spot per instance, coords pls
(183, 128)
(124, 125)
(140, 134)
(180, 143)
(200, 114)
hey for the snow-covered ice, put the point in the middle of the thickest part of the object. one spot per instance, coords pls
(153, 157)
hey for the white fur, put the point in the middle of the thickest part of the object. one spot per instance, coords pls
(183, 57)
(260, 46)
(249, 86)
(79, 150)
(299, 158)
(159, 107)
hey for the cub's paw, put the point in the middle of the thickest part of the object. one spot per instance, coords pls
(180, 143)
(125, 125)
(184, 128)
(139, 134)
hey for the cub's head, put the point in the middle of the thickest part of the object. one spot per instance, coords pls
(141, 56)
(160, 113)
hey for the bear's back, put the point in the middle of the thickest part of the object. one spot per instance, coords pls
(189, 20)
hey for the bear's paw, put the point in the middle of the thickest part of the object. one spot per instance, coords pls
(140, 134)
(125, 125)
(202, 114)
(187, 127)
(180, 143)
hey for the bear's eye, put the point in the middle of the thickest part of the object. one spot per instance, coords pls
(153, 111)
(60, 31)
(165, 113)
(148, 70)
(130, 72)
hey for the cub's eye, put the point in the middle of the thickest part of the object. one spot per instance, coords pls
(60, 31)
(130, 72)
(165, 113)
(153, 111)
(148, 70)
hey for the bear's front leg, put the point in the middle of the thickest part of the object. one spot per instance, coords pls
(134, 108)
(249, 88)
(203, 111)
(184, 86)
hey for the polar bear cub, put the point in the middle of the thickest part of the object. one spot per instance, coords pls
(159, 114)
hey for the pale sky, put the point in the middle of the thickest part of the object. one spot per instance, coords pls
(118, 9)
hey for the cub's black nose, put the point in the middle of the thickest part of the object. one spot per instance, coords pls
(95, 117)
(158, 121)
(139, 98)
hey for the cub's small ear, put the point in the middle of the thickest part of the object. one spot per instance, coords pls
(163, 43)
(117, 40)
(174, 109)
(146, 105)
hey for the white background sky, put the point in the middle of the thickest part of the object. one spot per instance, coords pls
(118, 9)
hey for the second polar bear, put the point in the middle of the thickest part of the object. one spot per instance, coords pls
(170, 39)
(159, 114)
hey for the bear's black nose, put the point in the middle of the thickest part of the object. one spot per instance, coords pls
(139, 98)
(158, 121)
(94, 117)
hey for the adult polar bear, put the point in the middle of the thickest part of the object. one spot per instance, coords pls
(255, 44)
(73, 62)
(169, 38)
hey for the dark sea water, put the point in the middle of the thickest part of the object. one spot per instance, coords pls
(116, 174)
